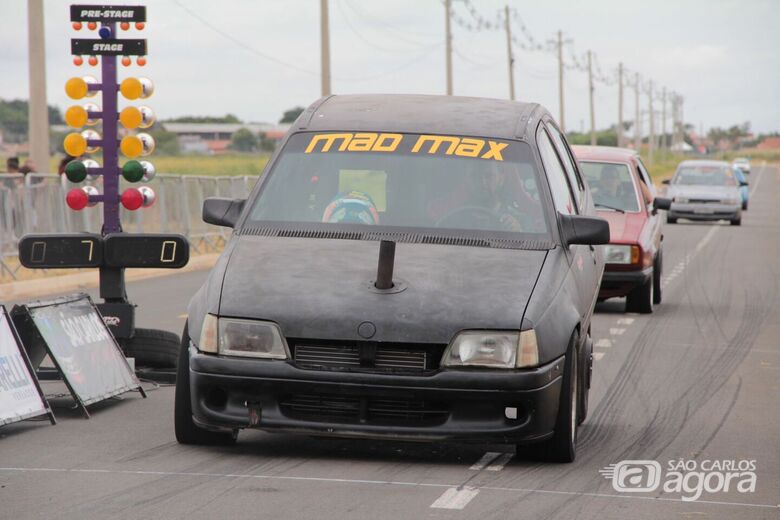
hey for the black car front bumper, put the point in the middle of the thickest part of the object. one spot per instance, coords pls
(458, 405)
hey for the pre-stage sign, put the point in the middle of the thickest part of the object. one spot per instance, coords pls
(72, 332)
(20, 394)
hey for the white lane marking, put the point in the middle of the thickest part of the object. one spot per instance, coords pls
(603, 343)
(625, 321)
(486, 459)
(500, 462)
(455, 498)
(616, 331)
(375, 482)
(597, 356)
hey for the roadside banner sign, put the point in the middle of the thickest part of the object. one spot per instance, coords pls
(21, 396)
(72, 332)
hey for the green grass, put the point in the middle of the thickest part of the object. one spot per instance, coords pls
(663, 166)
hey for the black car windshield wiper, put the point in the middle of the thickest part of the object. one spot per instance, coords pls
(613, 208)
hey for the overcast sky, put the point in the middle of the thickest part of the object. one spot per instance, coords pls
(211, 57)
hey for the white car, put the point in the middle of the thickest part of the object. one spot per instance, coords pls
(743, 164)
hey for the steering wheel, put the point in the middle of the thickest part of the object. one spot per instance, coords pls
(479, 212)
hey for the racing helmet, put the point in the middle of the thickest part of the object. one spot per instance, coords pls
(354, 207)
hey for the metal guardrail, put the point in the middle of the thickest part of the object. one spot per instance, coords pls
(35, 203)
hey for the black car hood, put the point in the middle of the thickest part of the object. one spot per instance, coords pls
(320, 288)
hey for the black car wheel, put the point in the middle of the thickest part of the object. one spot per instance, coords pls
(641, 298)
(744, 206)
(153, 348)
(671, 220)
(657, 270)
(561, 447)
(586, 371)
(187, 432)
(737, 221)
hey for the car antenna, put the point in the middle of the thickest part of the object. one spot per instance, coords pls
(384, 270)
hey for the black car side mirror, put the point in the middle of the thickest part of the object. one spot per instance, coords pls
(222, 212)
(661, 203)
(666, 181)
(578, 229)
(744, 183)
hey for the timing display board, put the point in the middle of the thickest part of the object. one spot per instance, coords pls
(107, 13)
(146, 250)
(61, 251)
(108, 47)
(81, 347)
(21, 396)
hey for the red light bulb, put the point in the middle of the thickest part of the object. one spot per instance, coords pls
(78, 61)
(92, 26)
(93, 60)
(140, 26)
(77, 199)
(77, 26)
(124, 26)
(141, 61)
(132, 199)
(126, 61)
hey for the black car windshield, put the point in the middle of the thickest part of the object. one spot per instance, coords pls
(404, 180)
(705, 176)
(612, 185)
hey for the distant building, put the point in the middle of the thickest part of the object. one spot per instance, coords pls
(769, 143)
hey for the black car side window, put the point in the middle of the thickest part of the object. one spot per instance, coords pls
(556, 175)
(568, 163)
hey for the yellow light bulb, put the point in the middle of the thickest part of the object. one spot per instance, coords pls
(76, 88)
(76, 116)
(75, 145)
(131, 146)
(131, 88)
(131, 118)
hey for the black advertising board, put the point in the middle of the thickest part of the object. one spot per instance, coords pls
(21, 396)
(86, 354)
(110, 47)
(107, 13)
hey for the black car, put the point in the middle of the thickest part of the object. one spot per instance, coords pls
(409, 267)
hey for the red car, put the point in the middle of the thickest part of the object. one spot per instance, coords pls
(624, 195)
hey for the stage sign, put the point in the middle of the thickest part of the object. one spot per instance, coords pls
(20, 394)
(80, 345)
(146, 250)
(107, 13)
(108, 47)
(61, 251)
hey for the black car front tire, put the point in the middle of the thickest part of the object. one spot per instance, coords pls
(657, 271)
(187, 432)
(641, 299)
(561, 447)
(671, 220)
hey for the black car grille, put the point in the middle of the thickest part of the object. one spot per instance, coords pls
(704, 201)
(364, 410)
(324, 355)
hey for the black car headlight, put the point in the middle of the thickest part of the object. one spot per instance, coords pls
(496, 349)
(244, 338)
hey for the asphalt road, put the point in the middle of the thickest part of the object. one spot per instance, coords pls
(697, 381)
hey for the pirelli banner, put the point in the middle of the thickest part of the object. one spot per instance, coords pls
(20, 394)
(72, 332)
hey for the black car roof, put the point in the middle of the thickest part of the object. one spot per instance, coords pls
(421, 114)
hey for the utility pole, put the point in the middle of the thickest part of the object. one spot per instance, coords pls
(637, 117)
(651, 137)
(590, 95)
(509, 54)
(664, 142)
(561, 120)
(620, 106)
(37, 108)
(448, 29)
(325, 47)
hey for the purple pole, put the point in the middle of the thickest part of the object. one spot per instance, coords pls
(109, 88)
